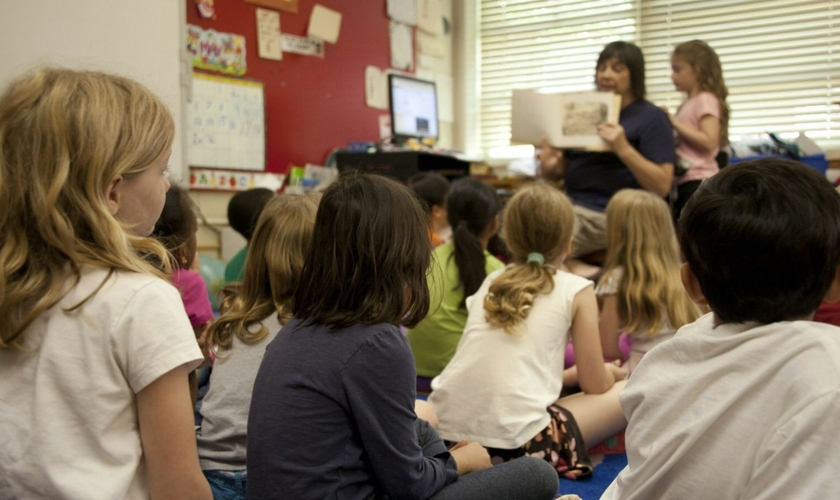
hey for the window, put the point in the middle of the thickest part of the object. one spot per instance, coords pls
(777, 55)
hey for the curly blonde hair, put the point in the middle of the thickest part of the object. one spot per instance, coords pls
(64, 137)
(538, 219)
(276, 254)
(706, 65)
(642, 243)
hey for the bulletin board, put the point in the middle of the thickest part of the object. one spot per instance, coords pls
(313, 104)
(226, 123)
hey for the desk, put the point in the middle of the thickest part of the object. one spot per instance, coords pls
(403, 164)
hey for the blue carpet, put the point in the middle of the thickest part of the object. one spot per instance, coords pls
(592, 488)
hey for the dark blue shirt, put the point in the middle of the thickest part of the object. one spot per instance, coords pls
(593, 178)
(332, 416)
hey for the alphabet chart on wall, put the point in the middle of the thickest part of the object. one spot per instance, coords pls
(226, 123)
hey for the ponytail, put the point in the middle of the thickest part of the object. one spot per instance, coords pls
(512, 294)
(471, 207)
(538, 226)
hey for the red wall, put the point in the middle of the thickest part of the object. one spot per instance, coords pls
(312, 105)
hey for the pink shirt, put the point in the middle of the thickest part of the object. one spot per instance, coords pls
(194, 294)
(693, 110)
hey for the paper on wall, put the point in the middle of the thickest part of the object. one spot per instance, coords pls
(303, 45)
(403, 11)
(268, 35)
(430, 44)
(402, 50)
(376, 88)
(324, 24)
(430, 16)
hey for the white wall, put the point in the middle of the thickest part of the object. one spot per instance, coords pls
(141, 40)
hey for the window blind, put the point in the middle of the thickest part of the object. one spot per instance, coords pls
(546, 44)
(777, 55)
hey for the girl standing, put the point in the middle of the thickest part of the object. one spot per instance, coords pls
(95, 346)
(253, 311)
(458, 269)
(640, 292)
(501, 388)
(701, 125)
(332, 413)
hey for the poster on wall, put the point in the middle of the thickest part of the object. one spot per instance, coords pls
(268, 35)
(402, 47)
(222, 52)
(303, 45)
(226, 123)
(228, 180)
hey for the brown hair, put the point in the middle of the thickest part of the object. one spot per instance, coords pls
(706, 65)
(279, 245)
(64, 137)
(370, 254)
(177, 226)
(538, 219)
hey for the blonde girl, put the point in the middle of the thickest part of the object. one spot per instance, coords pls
(253, 311)
(502, 385)
(95, 346)
(640, 292)
(701, 125)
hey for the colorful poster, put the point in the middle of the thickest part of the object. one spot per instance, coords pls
(227, 180)
(222, 52)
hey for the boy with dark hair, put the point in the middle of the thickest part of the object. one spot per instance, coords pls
(744, 402)
(432, 189)
(243, 211)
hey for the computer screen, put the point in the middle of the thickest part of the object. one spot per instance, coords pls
(413, 107)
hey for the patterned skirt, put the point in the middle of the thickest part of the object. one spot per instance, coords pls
(559, 444)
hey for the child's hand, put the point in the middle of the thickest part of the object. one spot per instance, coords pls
(470, 457)
(617, 371)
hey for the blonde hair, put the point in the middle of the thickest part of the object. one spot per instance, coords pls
(276, 254)
(538, 219)
(641, 241)
(64, 137)
(706, 65)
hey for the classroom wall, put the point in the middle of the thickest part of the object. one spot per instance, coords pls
(312, 105)
(140, 40)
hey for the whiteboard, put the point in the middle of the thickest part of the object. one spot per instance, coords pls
(226, 123)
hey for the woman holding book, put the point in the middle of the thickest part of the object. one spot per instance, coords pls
(640, 156)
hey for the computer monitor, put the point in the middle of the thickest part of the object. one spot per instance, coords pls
(413, 108)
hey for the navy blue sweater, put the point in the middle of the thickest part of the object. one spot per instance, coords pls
(332, 416)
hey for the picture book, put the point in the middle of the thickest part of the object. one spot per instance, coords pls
(567, 120)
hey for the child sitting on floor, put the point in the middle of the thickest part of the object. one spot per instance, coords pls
(640, 292)
(253, 311)
(458, 268)
(433, 189)
(502, 386)
(743, 402)
(332, 413)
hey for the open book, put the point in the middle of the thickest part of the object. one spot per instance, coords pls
(567, 120)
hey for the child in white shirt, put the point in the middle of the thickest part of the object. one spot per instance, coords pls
(95, 346)
(743, 403)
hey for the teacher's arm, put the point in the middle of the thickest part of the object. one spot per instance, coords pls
(653, 176)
